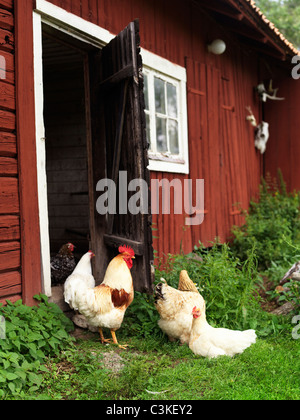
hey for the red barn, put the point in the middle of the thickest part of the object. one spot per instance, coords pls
(77, 106)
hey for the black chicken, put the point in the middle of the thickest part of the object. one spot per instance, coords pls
(63, 264)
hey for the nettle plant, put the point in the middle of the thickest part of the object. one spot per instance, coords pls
(31, 335)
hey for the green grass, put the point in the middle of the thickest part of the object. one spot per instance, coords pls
(269, 370)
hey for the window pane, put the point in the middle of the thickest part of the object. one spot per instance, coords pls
(159, 87)
(146, 93)
(172, 100)
(161, 134)
(173, 137)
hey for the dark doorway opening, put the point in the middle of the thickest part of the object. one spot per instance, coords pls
(66, 145)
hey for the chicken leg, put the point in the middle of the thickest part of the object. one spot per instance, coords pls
(103, 340)
(113, 334)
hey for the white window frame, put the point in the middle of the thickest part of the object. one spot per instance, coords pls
(155, 65)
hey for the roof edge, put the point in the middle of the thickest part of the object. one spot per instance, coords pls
(270, 26)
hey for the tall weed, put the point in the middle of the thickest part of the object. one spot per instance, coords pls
(271, 223)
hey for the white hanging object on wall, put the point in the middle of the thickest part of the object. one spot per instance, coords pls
(261, 131)
(261, 136)
(265, 94)
(251, 118)
(217, 47)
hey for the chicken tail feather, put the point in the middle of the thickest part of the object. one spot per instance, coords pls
(158, 294)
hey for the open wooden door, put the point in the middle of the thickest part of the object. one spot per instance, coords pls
(119, 144)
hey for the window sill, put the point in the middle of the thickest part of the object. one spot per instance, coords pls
(160, 163)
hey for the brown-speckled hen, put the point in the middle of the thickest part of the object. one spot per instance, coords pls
(62, 264)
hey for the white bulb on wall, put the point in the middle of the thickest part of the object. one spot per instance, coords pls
(217, 47)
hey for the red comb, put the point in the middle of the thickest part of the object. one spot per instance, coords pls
(126, 249)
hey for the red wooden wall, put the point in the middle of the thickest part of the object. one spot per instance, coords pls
(283, 147)
(19, 219)
(10, 257)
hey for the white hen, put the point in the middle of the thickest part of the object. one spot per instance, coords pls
(175, 307)
(81, 276)
(213, 342)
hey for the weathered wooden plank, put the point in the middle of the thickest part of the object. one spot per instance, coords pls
(116, 78)
(117, 147)
(7, 96)
(196, 103)
(67, 176)
(196, 91)
(7, 67)
(7, 41)
(68, 209)
(76, 8)
(10, 283)
(67, 164)
(6, 20)
(94, 8)
(65, 4)
(7, 4)
(7, 120)
(66, 153)
(7, 64)
(25, 109)
(63, 235)
(9, 196)
(68, 188)
(8, 145)
(8, 166)
(71, 222)
(126, 143)
(86, 10)
(115, 241)
(10, 255)
(11, 298)
(9, 228)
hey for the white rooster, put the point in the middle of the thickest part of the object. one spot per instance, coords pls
(213, 342)
(103, 305)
